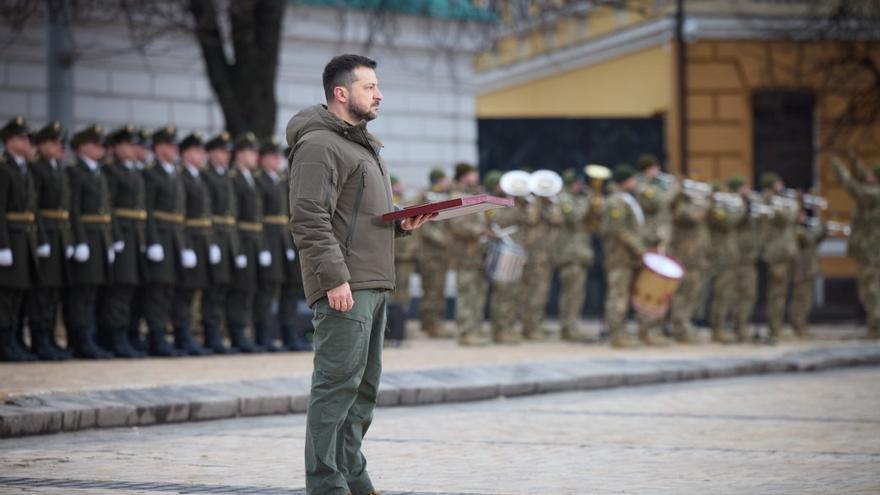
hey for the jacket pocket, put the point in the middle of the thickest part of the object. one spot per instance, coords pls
(358, 199)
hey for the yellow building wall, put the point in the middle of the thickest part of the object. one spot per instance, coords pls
(636, 85)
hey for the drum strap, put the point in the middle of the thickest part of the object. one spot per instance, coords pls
(634, 206)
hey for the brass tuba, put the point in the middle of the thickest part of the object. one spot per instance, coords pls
(598, 174)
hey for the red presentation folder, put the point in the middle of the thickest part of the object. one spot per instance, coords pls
(451, 208)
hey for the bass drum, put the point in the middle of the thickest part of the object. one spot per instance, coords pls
(505, 262)
(656, 284)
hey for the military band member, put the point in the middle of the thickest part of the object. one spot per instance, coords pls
(573, 255)
(433, 260)
(217, 177)
(18, 236)
(143, 156)
(91, 222)
(810, 232)
(724, 216)
(54, 241)
(293, 331)
(405, 264)
(167, 252)
(276, 241)
(200, 239)
(621, 229)
(538, 269)
(779, 251)
(251, 255)
(749, 233)
(128, 199)
(689, 245)
(864, 239)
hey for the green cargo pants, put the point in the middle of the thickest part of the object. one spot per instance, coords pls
(345, 385)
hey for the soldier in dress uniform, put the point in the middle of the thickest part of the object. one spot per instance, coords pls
(690, 245)
(251, 255)
(55, 241)
(779, 251)
(167, 253)
(864, 238)
(277, 241)
(18, 236)
(293, 330)
(621, 231)
(217, 178)
(200, 238)
(433, 261)
(466, 234)
(574, 253)
(128, 199)
(143, 156)
(93, 256)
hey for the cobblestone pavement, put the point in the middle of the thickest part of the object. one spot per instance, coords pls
(813, 433)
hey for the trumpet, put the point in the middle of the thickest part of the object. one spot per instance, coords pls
(838, 228)
(727, 199)
(696, 189)
(760, 210)
(814, 202)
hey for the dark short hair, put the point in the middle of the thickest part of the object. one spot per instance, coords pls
(340, 71)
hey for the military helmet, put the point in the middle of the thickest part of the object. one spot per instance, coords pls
(15, 127)
(53, 131)
(91, 134)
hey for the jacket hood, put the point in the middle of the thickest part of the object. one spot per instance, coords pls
(317, 117)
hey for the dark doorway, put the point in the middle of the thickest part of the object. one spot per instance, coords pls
(783, 136)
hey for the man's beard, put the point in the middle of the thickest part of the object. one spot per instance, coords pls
(363, 114)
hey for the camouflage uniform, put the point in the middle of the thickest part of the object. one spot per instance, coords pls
(724, 255)
(863, 243)
(690, 246)
(780, 249)
(749, 232)
(621, 237)
(433, 263)
(506, 297)
(804, 271)
(538, 270)
(573, 255)
(466, 234)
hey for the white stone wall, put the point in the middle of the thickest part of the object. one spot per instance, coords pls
(427, 118)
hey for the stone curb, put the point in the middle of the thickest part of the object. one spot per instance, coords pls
(64, 412)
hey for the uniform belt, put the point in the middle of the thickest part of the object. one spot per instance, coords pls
(275, 219)
(167, 216)
(130, 213)
(223, 220)
(95, 218)
(198, 222)
(250, 226)
(54, 214)
(20, 216)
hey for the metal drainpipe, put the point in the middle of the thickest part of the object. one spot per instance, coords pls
(681, 62)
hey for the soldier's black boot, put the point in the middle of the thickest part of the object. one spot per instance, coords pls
(9, 349)
(42, 347)
(302, 340)
(84, 345)
(120, 346)
(240, 341)
(264, 338)
(64, 354)
(288, 338)
(185, 343)
(214, 341)
(135, 339)
(158, 344)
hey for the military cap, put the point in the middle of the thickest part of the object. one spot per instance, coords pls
(569, 176)
(491, 180)
(143, 138)
(53, 131)
(125, 134)
(222, 140)
(768, 179)
(645, 161)
(192, 140)
(436, 175)
(623, 172)
(165, 135)
(247, 140)
(735, 182)
(15, 127)
(91, 134)
(270, 146)
(462, 169)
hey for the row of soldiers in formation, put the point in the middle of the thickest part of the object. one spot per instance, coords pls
(144, 227)
(717, 235)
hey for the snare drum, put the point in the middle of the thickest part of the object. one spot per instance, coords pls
(656, 284)
(505, 262)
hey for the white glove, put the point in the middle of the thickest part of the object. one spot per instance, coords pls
(81, 253)
(188, 258)
(214, 254)
(119, 246)
(265, 258)
(156, 253)
(111, 256)
(6, 257)
(291, 254)
(44, 250)
(241, 261)
(68, 251)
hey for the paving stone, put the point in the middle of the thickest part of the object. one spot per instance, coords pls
(29, 420)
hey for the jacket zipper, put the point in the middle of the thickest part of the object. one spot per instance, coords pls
(357, 208)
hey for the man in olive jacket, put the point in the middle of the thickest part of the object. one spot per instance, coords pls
(339, 187)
